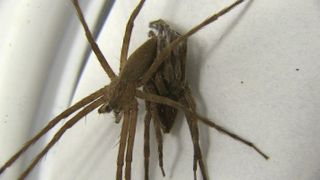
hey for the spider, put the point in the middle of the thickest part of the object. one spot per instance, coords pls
(147, 67)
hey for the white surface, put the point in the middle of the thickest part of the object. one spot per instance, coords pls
(29, 44)
(261, 43)
(41, 54)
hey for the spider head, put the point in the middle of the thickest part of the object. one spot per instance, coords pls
(111, 96)
(117, 96)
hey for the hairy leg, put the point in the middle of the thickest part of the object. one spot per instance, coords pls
(122, 145)
(132, 133)
(59, 134)
(152, 113)
(93, 43)
(153, 110)
(188, 101)
(197, 151)
(51, 124)
(156, 123)
(167, 50)
(233, 135)
(163, 100)
(147, 120)
(127, 35)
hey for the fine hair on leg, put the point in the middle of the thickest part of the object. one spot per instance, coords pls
(146, 152)
(122, 144)
(132, 133)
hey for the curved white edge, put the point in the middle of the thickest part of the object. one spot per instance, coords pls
(41, 57)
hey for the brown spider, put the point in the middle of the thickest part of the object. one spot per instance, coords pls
(158, 66)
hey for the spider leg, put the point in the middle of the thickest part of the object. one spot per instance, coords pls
(132, 133)
(127, 35)
(152, 108)
(166, 101)
(158, 132)
(59, 134)
(93, 43)
(233, 135)
(51, 124)
(147, 120)
(194, 130)
(122, 144)
(197, 151)
(167, 50)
